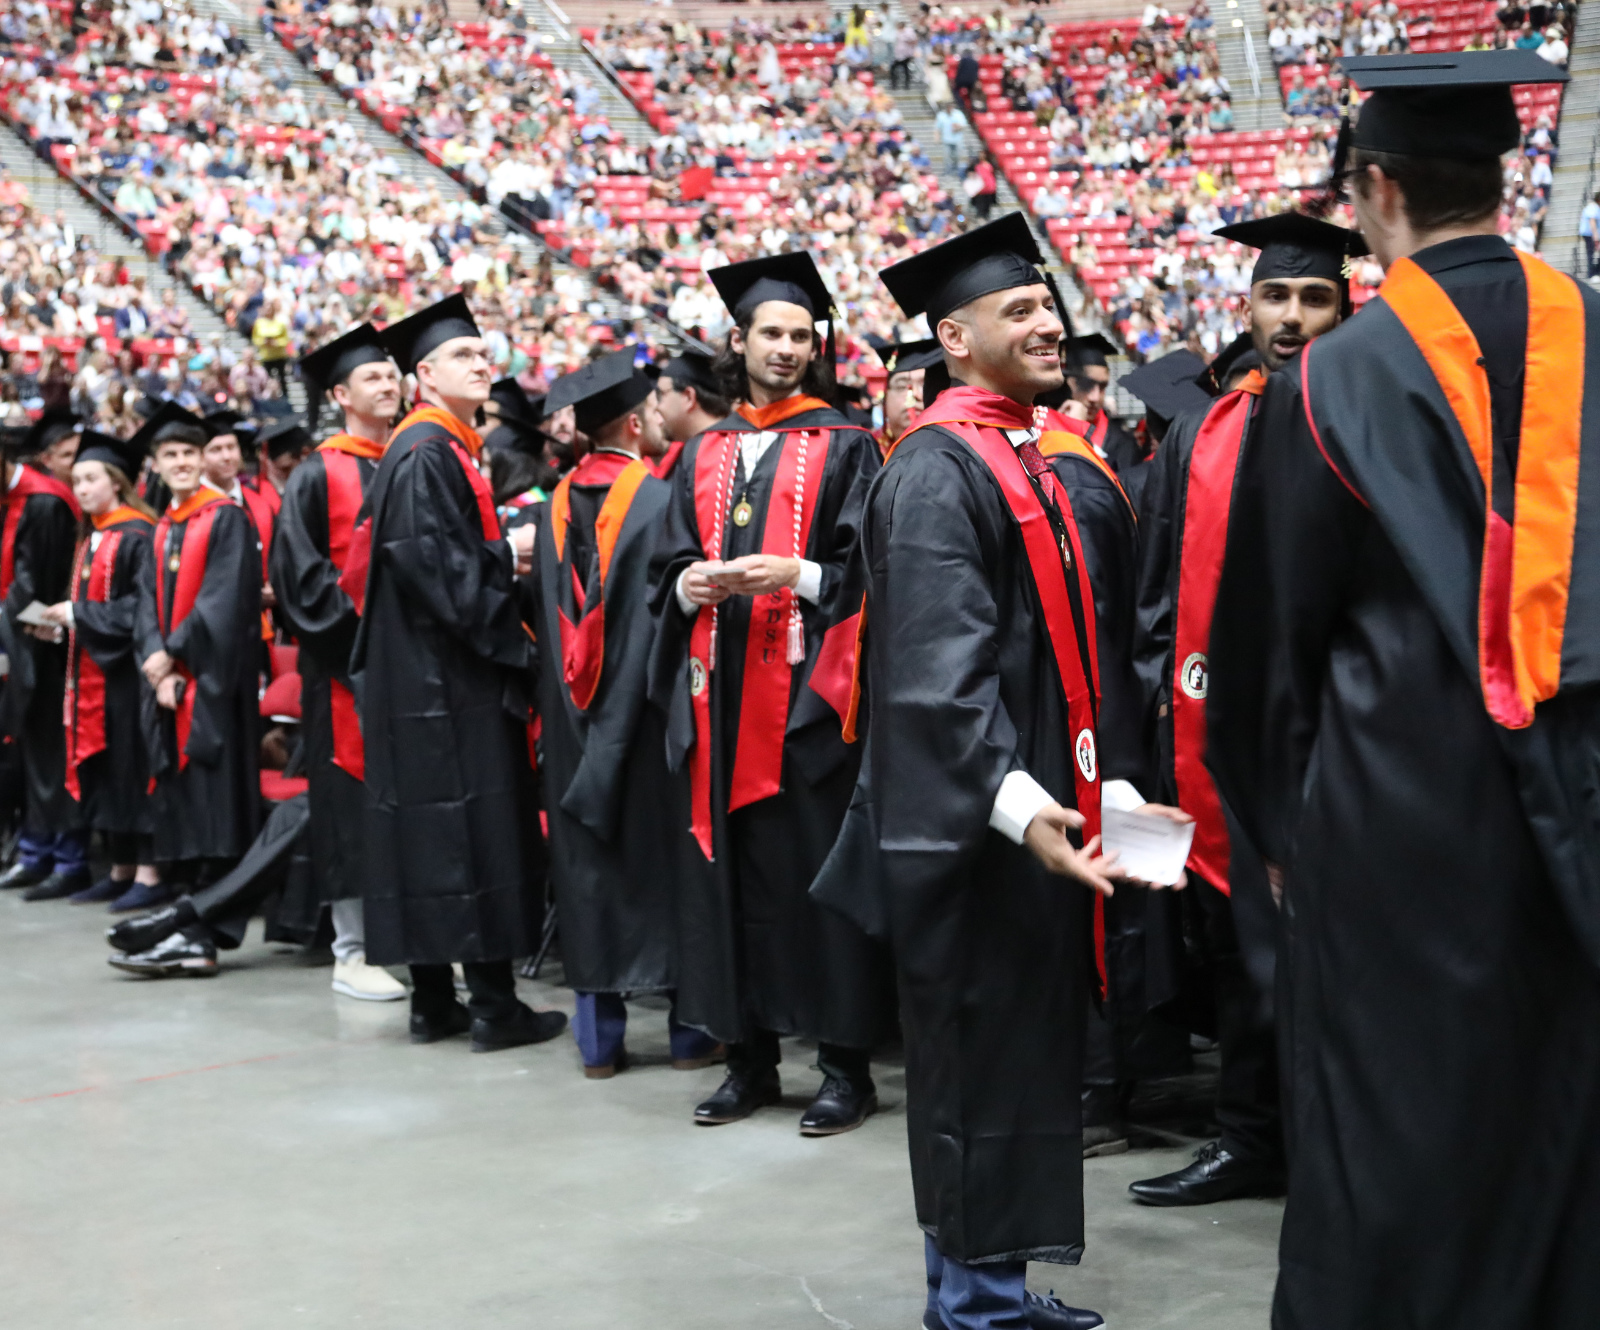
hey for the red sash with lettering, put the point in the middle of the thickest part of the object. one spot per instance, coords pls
(84, 704)
(29, 483)
(583, 644)
(344, 502)
(197, 516)
(768, 668)
(1207, 503)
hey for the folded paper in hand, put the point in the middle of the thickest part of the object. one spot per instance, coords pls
(1148, 847)
(33, 614)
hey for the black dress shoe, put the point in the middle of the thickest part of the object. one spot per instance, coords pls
(58, 886)
(432, 1027)
(172, 958)
(840, 1106)
(22, 875)
(140, 932)
(526, 1027)
(738, 1097)
(1052, 1314)
(1215, 1175)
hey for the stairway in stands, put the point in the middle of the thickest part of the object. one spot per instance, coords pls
(561, 42)
(1577, 168)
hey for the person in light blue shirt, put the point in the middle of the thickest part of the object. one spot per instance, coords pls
(948, 123)
(1589, 229)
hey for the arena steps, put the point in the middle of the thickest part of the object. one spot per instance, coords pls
(1577, 166)
(562, 44)
(1252, 109)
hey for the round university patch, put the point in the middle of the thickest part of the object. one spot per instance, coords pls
(1196, 676)
(1083, 749)
(697, 676)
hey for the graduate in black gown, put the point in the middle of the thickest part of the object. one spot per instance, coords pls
(691, 399)
(976, 824)
(764, 518)
(197, 637)
(311, 543)
(107, 770)
(1084, 360)
(519, 469)
(1298, 291)
(1404, 713)
(907, 364)
(38, 531)
(615, 834)
(442, 667)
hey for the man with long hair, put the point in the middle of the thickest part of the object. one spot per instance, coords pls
(765, 511)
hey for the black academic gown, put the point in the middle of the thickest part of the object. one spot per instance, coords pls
(442, 665)
(615, 829)
(1440, 1004)
(1125, 1041)
(115, 782)
(208, 809)
(323, 620)
(755, 952)
(994, 952)
(47, 534)
(1121, 448)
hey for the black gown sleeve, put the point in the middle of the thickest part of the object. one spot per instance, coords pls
(47, 536)
(434, 549)
(853, 462)
(106, 629)
(322, 618)
(1293, 539)
(219, 639)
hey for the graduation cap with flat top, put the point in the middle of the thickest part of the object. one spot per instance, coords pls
(127, 455)
(1294, 245)
(47, 431)
(791, 278)
(904, 357)
(168, 421)
(1168, 387)
(1090, 349)
(996, 257)
(692, 369)
(1455, 104)
(331, 364)
(414, 338)
(287, 436)
(601, 391)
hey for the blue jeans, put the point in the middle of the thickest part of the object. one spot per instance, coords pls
(65, 852)
(974, 1297)
(601, 1023)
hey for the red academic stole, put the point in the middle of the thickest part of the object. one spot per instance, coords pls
(1208, 500)
(29, 482)
(84, 705)
(466, 444)
(1098, 431)
(344, 501)
(664, 465)
(1527, 563)
(583, 644)
(1066, 434)
(197, 514)
(769, 658)
(262, 485)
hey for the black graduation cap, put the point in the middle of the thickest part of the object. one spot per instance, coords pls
(47, 431)
(1451, 104)
(792, 278)
(1294, 245)
(330, 365)
(692, 369)
(167, 422)
(11, 437)
(1090, 349)
(286, 436)
(601, 391)
(1237, 357)
(127, 455)
(413, 338)
(218, 423)
(903, 357)
(996, 257)
(1168, 387)
(514, 405)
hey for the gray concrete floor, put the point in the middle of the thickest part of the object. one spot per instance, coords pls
(251, 1151)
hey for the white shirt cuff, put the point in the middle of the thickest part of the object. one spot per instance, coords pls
(809, 587)
(1017, 804)
(684, 603)
(72, 619)
(1121, 795)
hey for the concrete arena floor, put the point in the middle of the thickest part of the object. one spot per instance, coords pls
(252, 1152)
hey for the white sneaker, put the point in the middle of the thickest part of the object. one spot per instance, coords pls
(369, 983)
